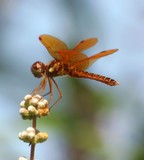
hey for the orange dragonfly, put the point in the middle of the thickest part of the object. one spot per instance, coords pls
(67, 61)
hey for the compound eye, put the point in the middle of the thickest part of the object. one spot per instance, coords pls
(38, 69)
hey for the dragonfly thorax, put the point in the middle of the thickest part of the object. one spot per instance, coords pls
(56, 68)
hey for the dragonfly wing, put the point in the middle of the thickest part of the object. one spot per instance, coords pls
(87, 62)
(85, 44)
(53, 45)
(71, 56)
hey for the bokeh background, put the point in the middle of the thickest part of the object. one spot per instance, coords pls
(93, 121)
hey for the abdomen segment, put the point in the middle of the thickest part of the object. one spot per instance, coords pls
(97, 77)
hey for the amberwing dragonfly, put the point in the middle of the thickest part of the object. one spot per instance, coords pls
(67, 61)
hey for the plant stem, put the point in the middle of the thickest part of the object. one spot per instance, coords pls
(32, 152)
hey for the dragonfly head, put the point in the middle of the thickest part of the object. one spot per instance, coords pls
(38, 69)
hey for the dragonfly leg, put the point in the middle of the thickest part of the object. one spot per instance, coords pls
(40, 89)
(51, 90)
(46, 94)
(60, 94)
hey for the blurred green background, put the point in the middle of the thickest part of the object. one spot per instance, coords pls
(93, 121)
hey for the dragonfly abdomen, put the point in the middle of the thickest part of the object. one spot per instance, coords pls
(97, 77)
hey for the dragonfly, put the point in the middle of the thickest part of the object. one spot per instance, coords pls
(72, 62)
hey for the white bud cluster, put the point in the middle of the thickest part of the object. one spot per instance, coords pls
(22, 158)
(31, 136)
(33, 106)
